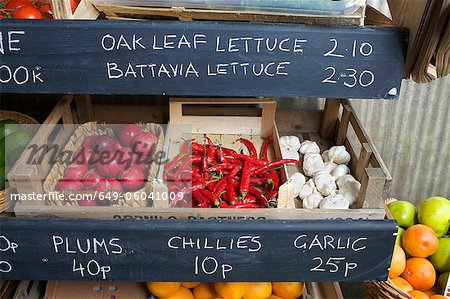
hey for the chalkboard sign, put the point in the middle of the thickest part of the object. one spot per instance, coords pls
(200, 59)
(196, 250)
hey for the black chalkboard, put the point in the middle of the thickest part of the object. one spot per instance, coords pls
(200, 59)
(326, 250)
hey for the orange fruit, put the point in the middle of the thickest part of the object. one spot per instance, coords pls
(163, 289)
(258, 290)
(398, 262)
(437, 296)
(415, 294)
(182, 293)
(420, 241)
(190, 285)
(231, 290)
(430, 292)
(402, 284)
(274, 297)
(420, 273)
(288, 290)
(204, 291)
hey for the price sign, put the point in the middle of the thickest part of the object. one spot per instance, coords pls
(200, 59)
(196, 250)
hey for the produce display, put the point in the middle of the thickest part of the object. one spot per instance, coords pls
(219, 177)
(110, 165)
(420, 263)
(226, 290)
(13, 141)
(30, 9)
(325, 181)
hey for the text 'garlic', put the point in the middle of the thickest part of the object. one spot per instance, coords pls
(312, 201)
(309, 147)
(339, 155)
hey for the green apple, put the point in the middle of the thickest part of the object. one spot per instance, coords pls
(441, 258)
(442, 281)
(435, 213)
(404, 212)
(398, 239)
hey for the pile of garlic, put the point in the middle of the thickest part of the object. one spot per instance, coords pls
(326, 182)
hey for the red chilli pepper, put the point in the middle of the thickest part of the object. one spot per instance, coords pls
(211, 197)
(255, 192)
(245, 179)
(264, 148)
(230, 191)
(250, 146)
(253, 160)
(220, 156)
(274, 178)
(219, 167)
(220, 186)
(245, 206)
(276, 164)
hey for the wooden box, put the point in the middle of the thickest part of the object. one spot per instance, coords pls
(84, 11)
(337, 123)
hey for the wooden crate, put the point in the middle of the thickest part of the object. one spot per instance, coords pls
(118, 12)
(84, 11)
(328, 127)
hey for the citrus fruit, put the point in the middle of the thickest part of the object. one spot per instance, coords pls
(429, 292)
(402, 284)
(204, 291)
(163, 289)
(398, 262)
(415, 294)
(8, 126)
(441, 258)
(442, 281)
(258, 290)
(404, 212)
(274, 297)
(420, 241)
(182, 293)
(420, 273)
(288, 290)
(398, 239)
(435, 213)
(190, 285)
(231, 290)
(437, 296)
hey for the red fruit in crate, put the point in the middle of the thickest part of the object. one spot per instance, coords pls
(89, 141)
(75, 171)
(132, 179)
(64, 185)
(74, 5)
(111, 168)
(91, 179)
(128, 133)
(145, 143)
(15, 4)
(110, 188)
(46, 11)
(105, 145)
(27, 12)
(83, 156)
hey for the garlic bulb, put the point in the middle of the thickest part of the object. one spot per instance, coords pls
(336, 201)
(309, 146)
(341, 181)
(350, 191)
(312, 201)
(340, 170)
(312, 163)
(297, 180)
(290, 142)
(330, 167)
(324, 183)
(339, 155)
(307, 189)
(325, 156)
(288, 153)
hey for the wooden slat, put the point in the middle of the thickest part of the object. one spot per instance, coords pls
(84, 108)
(372, 187)
(363, 161)
(329, 118)
(183, 14)
(376, 18)
(343, 126)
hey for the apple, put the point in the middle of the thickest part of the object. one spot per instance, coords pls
(435, 213)
(441, 258)
(398, 239)
(404, 212)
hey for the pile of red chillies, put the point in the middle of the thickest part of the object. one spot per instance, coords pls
(220, 177)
